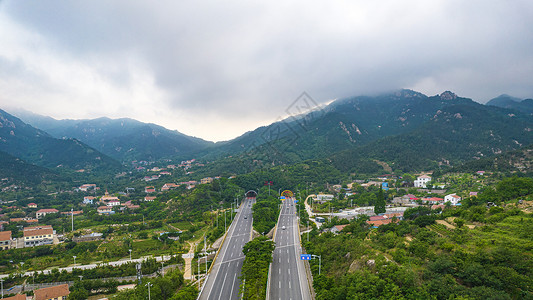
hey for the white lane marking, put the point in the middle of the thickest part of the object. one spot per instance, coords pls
(224, 281)
(289, 284)
(280, 270)
(232, 285)
(280, 284)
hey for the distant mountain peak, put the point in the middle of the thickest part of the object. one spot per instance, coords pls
(448, 96)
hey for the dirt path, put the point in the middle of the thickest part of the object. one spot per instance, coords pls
(442, 222)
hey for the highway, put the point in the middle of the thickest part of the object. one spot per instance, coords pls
(288, 279)
(223, 280)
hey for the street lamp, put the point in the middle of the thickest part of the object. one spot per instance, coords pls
(2, 282)
(149, 285)
(130, 253)
(162, 270)
(319, 262)
(74, 256)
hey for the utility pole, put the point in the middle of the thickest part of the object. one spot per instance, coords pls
(130, 253)
(74, 256)
(225, 226)
(149, 285)
(308, 230)
(72, 217)
(2, 282)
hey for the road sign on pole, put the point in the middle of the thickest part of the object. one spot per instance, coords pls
(305, 256)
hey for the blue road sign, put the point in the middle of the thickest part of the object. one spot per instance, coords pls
(305, 256)
(282, 197)
(295, 201)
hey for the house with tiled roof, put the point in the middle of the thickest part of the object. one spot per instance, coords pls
(32, 205)
(149, 189)
(149, 199)
(88, 200)
(16, 297)
(45, 211)
(421, 181)
(5, 240)
(38, 235)
(454, 199)
(337, 228)
(105, 210)
(169, 186)
(58, 292)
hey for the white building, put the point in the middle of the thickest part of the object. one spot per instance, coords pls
(452, 198)
(421, 181)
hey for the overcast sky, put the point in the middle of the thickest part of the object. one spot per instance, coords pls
(216, 69)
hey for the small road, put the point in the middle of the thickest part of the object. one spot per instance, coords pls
(288, 279)
(223, 281)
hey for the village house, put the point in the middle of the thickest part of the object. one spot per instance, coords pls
(337, 228)
(169, 186)
(422, 181)
(432, 200)
(149, 189)
(45, 211)
(58, 292)
(26, 220)
(87, 187)
(38, 235)
(32, 205)
(113, 203)
(130, 205)
(149, 199)
(453, 199)
(5, 240)
(16, 297)
(88, 200)
(206, 180)
(105, 210)
(107, 198)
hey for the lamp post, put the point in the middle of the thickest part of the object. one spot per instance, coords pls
(319, 262)
(130, 253)
(149, 285)
(74, 256)
(162, 270)
(308, 230)
(2, 282)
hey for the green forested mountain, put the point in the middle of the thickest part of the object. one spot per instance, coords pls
(14, 170)
(407, 130)
(123, 139)
(456, 133)
(506, 101)
(38, 147)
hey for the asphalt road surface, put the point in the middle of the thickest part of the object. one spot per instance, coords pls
(223, 281)
(287, 275)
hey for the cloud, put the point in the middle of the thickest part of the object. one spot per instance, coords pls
(217, 69)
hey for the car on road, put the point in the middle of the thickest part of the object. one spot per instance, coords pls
(246, 217)
(283, 227)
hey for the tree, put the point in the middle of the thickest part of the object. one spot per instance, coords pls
(379, 207)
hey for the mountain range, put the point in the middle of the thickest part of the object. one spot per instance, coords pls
(122, 139)
(400, 131)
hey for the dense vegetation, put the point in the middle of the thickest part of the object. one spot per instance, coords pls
(254, 270)
(265, 213)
